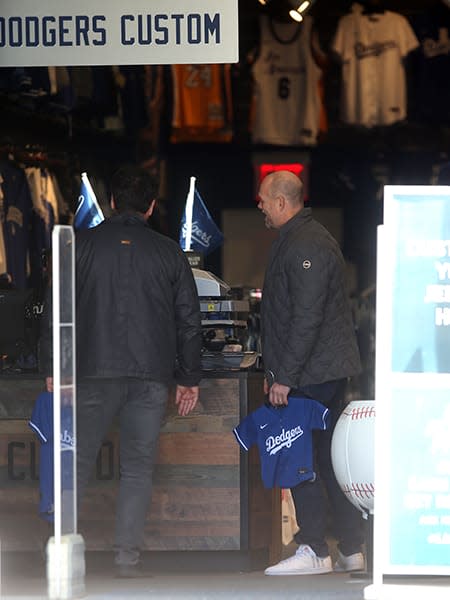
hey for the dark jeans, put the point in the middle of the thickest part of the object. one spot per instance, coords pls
(140, 406)
(316, 501)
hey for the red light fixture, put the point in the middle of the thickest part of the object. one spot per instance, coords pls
(267, 168)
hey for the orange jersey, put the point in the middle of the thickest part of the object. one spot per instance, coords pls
(201, 103)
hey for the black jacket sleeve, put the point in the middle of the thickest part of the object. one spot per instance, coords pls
(188, 324)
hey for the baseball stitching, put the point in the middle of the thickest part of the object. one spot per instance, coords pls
(360, 490)
(366, 412)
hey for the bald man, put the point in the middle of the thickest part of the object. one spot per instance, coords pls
(309, 349)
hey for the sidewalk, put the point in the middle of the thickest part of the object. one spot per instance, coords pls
(24, 578)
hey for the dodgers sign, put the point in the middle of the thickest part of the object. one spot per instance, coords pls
(98, 32)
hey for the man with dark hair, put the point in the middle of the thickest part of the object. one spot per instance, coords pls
(309, 349)
(138, 331)
(133, 189)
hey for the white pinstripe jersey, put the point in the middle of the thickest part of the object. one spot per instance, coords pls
(372, 48)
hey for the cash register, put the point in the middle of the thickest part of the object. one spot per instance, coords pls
(224, 324)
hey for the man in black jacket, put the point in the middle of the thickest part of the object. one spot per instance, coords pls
(138, 331)
(309, 349)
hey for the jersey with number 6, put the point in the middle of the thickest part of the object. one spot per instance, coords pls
(287, 104)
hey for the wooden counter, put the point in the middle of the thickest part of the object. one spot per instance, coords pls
(207, 493)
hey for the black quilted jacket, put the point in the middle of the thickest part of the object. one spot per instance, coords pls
(138, 313)
(308, 335)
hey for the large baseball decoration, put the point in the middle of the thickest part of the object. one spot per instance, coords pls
(352, 453)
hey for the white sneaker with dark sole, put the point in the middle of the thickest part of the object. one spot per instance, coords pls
(353, 562)
(304, 562)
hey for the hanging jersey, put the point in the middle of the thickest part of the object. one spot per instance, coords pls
(372, 48)
(287, 103)
(45, 205)
(16, 211)
(41, 423)
(202, 110)
(3, 261)
(154, 97)
(432, 66)
(284, 440)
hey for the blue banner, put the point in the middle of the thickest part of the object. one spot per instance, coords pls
(205, 235)
(88, 213)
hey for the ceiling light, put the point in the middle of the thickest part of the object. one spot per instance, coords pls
(303, 6)
(297, 13)
(294, 14)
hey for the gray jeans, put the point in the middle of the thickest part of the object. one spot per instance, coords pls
(140, 406)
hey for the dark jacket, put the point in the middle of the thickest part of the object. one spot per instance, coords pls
(138, 312)
(308, 335)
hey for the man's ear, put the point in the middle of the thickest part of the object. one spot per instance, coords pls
(112, 203)
(150, 209)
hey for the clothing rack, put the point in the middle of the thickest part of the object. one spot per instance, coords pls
(33, 155)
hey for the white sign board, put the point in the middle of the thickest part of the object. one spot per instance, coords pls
(412, 429)
(104, 32)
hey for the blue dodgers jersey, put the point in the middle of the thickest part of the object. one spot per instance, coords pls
(284, 439)
(41, 423)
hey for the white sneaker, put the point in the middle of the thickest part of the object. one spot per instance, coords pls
(304, 562)
(353, 562)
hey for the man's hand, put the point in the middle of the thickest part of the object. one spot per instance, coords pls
(49, 384)
(186, 399)
(278, 394)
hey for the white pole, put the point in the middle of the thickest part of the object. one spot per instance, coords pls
(65, 550)
(56, 399)
(189, 210)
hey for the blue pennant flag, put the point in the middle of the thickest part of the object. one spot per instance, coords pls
(198, 231)
(88, 213)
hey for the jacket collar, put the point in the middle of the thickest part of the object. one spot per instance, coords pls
(128, 218)
(301, 217)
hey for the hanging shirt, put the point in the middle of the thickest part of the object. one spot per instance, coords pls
(284, 440)
(288, 103)
(15, 221)
(202, 109)
(431, 66)
(3, 262)
(45, 205)
(372, 48)
(41, 423)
